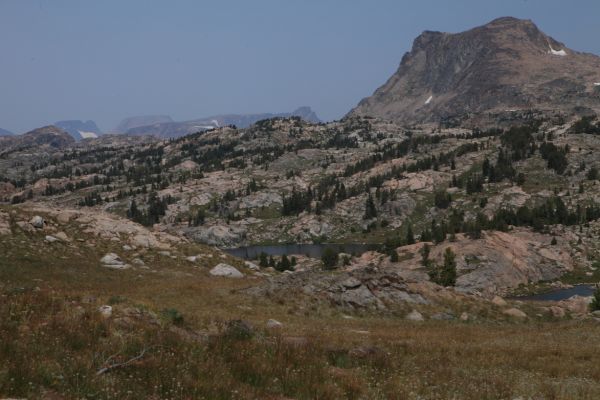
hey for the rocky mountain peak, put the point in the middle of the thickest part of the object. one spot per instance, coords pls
(507, 64)
(49, 135)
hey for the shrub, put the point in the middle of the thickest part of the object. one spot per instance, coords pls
(442, 199)
(173, 316)
(595, 304)
(263, 260)
(329, 258)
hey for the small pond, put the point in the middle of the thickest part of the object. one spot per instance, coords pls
(561, 294)
(310, 250)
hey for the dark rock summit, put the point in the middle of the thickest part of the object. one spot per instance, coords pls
(506, 66)
(48, 136)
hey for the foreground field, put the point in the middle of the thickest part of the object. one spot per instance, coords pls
(54, 348)
(175, 332)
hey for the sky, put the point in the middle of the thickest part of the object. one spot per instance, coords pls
(106, 60)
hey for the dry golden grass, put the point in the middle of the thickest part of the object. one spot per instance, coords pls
(53, 340)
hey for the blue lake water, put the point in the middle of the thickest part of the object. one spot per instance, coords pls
(562, 294)
(311, 250)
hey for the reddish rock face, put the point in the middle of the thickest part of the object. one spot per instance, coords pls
(507, 67)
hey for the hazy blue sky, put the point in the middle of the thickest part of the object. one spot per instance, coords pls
(109, 59)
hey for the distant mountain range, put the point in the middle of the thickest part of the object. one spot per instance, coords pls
(148, 125)
(171, 129)
(143, 120)
(80, 129)
(4, 132)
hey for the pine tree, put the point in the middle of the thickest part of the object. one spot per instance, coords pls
(284, 264)
(370, 210)
(595, 304)
(425, 250)
(410, 237)
(263, 260)
(448, 273)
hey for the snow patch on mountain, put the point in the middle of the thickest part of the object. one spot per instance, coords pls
(596, 83)
(88, 135)
(429, 100)
(561, 53)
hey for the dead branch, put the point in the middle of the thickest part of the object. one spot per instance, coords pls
(121, 365)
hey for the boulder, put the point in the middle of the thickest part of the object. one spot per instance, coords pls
(499, 301)
(274, 324)
(414, 315)
(144, 241)
(515, 312)
(111, 260)
(105, 310)
(251, 266)
(226, 270)
(51, 239)
(37, 222)
(62, 236)
(351, 283)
